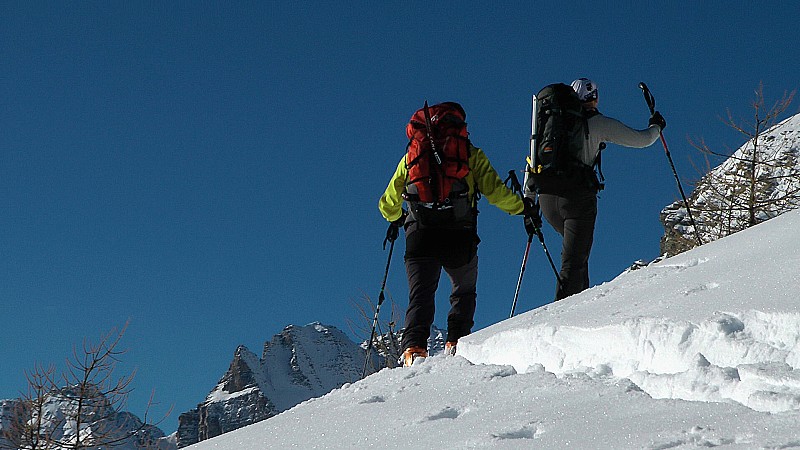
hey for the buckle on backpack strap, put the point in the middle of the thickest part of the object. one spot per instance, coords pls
(410, 197)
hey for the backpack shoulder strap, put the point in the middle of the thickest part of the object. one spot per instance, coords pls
(588, 114)
(476, 193)
(598, 161)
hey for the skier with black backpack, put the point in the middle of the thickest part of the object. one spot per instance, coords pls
(441, 178)
(568, 136)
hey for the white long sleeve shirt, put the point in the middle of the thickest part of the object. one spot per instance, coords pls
(606, 129)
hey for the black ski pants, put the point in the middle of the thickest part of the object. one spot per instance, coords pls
(573, 215)
(428, 251)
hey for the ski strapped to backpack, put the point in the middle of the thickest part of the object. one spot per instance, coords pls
(438, 162)
(559, 132)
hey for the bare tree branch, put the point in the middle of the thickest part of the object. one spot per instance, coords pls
(744, 189)
(87, 410)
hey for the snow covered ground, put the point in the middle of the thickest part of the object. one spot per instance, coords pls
(700, 350)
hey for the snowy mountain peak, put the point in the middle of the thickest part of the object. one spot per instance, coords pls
(241, 373)
(299, 363)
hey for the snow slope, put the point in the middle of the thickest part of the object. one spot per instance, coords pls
(699, 350)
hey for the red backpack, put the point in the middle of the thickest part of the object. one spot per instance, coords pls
(438, 163)
(438, 153)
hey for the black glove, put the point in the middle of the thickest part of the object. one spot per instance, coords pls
(658, 119)
(533, 219)
(394, 229)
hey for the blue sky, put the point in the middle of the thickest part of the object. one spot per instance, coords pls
(211, 171)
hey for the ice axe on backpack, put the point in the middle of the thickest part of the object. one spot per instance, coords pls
(429, 131)
(516, 187)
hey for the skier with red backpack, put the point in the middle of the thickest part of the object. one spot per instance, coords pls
(441, 178)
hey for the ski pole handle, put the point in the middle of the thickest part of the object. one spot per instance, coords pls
(648, 97)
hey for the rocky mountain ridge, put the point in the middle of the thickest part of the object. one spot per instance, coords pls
(119, 430)
(759, 181)
(299, 363)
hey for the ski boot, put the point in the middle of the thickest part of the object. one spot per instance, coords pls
(412, 354)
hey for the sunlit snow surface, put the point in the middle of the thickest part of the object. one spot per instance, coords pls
(699, 350)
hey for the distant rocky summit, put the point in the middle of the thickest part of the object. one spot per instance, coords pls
(298, 364)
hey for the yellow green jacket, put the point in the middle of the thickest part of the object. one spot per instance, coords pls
(481, 176)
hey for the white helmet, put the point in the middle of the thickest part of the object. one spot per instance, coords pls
(586, 89)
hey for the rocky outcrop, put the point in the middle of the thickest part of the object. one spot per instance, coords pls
(678, 230)
(759, 181)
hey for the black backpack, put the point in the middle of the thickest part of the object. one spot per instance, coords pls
(561, 131)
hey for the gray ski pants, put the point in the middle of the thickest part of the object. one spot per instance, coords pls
(573, 216)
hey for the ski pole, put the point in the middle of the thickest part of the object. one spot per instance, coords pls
(521, 272)
(651, 103)
(516, 187)
(377, 310)
(549, 258)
